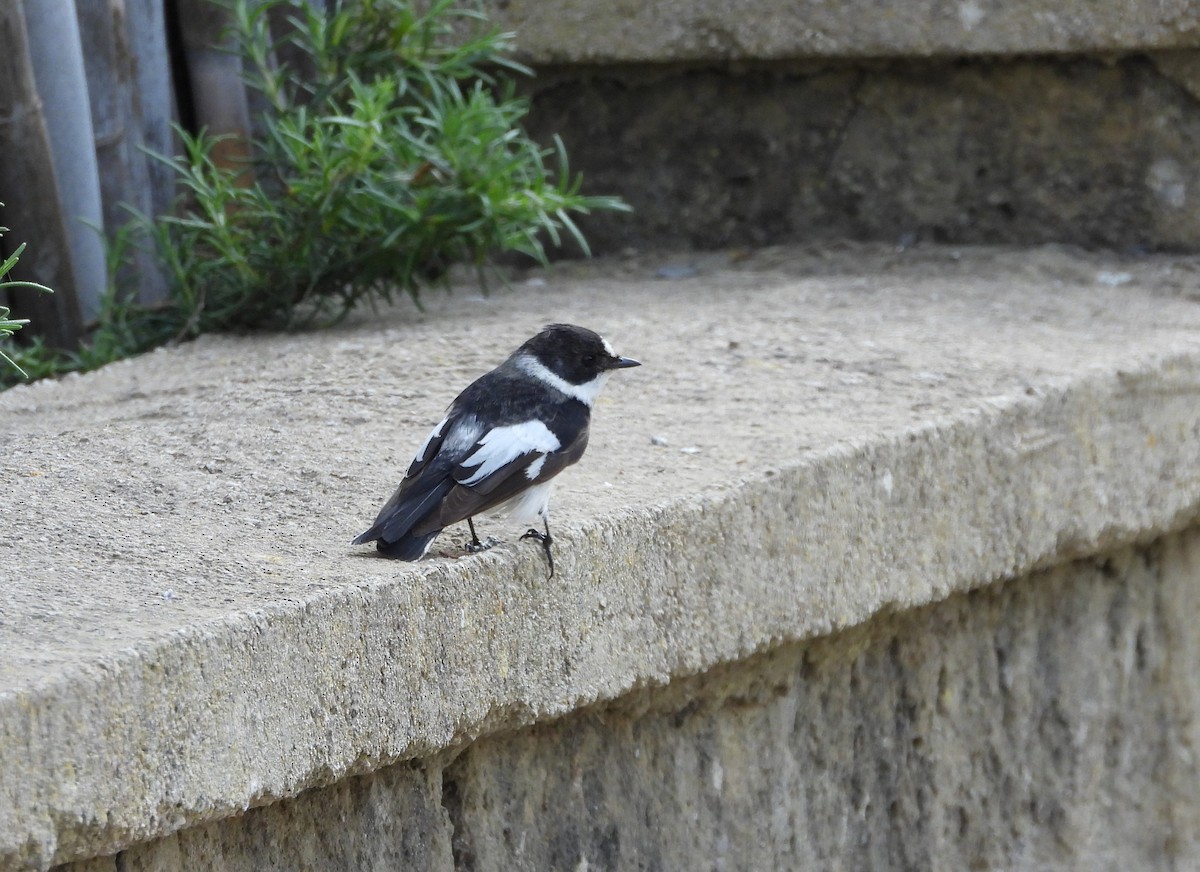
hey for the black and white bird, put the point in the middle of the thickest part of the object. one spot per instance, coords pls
(501, 444)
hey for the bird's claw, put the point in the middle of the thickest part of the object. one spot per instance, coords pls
(545, 539)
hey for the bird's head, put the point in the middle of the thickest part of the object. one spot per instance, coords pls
(575, 354)
(582, 359)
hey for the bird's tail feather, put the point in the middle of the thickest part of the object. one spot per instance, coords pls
(392, 530)
(408, 547)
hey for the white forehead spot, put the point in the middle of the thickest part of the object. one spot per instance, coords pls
(608, 347)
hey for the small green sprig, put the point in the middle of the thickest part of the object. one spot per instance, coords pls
(8, 325)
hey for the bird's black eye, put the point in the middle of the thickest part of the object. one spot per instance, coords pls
(589, 360)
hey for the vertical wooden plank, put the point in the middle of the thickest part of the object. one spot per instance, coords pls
(120, 159)
(56, 55)
(155, 92)
(29, 189)
(218, 92)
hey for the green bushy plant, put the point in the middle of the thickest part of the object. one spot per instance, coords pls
(396, 154)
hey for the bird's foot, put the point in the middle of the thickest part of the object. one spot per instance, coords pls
(545, 539)
(476, 546)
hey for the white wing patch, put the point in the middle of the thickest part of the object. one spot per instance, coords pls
(502, 445)
(586, 393)
(532, 470)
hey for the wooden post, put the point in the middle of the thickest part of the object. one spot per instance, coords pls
(218, 92)
(29, 188)
(56, 53)
(116, 119)
(155, 92)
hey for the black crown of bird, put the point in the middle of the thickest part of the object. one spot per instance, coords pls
(500, 444)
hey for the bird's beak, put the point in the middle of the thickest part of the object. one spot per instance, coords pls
(625, 362)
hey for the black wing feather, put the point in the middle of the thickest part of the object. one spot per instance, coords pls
(425, 484)
(405, 510)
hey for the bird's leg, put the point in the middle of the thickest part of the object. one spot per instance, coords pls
(475, 545)
(545, 539)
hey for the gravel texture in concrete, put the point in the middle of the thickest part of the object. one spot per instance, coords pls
(815, 436)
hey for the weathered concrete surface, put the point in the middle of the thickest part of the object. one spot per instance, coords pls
(1090, 151)
(1046, 723)
(184, 633)
(392, 820)
(584, 31)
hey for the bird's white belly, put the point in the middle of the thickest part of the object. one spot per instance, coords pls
(527, 507)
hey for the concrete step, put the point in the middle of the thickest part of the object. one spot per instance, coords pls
(818, 436)
(581, 32)
(1090, 150)
(956, 122)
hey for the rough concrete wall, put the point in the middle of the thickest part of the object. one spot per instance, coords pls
(1080, 150)
(1043, 724)
(1046, 723)
(390, 821)
(622, 31)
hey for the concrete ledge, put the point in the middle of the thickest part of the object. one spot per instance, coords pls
(992, 730)
(184, 635)
(578, 31)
